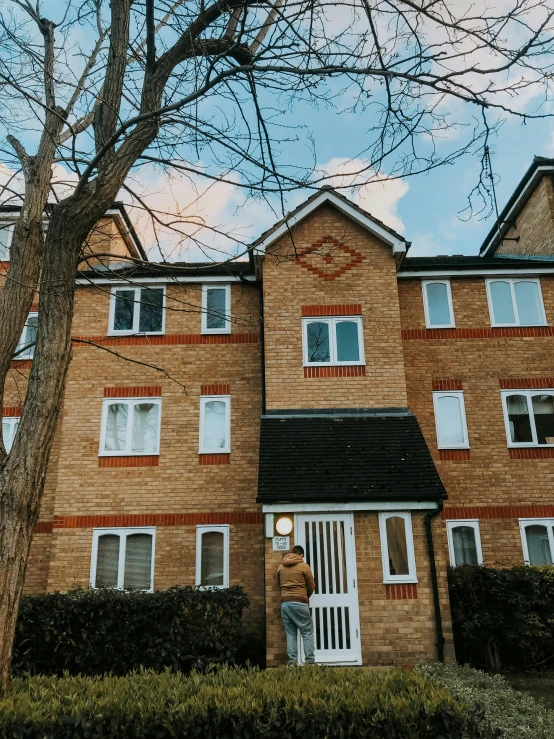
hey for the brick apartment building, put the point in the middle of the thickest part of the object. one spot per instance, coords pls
(392, 414)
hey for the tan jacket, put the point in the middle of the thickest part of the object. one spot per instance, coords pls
(295, 579)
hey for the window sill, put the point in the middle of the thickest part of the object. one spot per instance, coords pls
(401, 581)
(442, 325)
(519, 325)
(218, 332)
(339, 370)
(128, 461)
(113, 334)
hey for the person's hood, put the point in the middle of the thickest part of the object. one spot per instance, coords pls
(292, 559)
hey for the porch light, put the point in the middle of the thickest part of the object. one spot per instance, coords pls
(284, 526)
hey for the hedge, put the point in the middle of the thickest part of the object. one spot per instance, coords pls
(502, 616)
(236, 703)
(93, 632)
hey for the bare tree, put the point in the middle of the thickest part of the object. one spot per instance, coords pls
(107, 87)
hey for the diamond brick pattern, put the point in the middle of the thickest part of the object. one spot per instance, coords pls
(329, 258)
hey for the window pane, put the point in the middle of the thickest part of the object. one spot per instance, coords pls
(501, 298)
(9, 429)
(347, 341)
(4, 241)
(528, 303)
(145, 428)
(465, 549)
(28, 337)
(543, 408)
(518, 418)
(215, 305)
(538, 545)
(449, 421)
(124, 310)
(211, 570)
(318, 342)
(151, 310)
(214, 425)
(437, 304)
(107, 561)
(116, 427)
(138, 562)
(397, 546)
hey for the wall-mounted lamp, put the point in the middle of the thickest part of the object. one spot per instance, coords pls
(284, 525)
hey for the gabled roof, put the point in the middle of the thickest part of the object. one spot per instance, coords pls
(329, 196)
(475, 265)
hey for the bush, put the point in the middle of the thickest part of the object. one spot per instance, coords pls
(235, 703)
(92, 632)
(502, 616)
(498, 711)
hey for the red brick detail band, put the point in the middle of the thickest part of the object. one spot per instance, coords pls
(356, 370)
(43, 527)
(214, 459)
(144, 461)
(4, 265)
(145, 391)
(157, 519)
(409, 334)
(455, 455)
(500, 512)
(440, 383)
(22, 363)
(34, 308)
(11, 410)
(534, 453)
(517, 383)
(169, 339)
(354, 309)
(401, 592)
(215, 390)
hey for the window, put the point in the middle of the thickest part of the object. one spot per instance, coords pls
(9, 428)
(515, 303)
(529, 417)
(123, 559)
(139, 310)
(215, 424)
(212, 556)
(6, 230)
(464, 542)
(537, 538)
(437, 304)
(25, 348)
(130, 427)
(450, 420)
(333, 341)
(397, 547)
(216, 309)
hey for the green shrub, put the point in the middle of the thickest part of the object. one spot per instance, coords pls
(502, 616)
(235, 703)
(92, 632)
(498, 710)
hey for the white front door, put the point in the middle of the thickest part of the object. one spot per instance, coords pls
(328, 541)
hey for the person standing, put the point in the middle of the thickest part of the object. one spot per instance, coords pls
(296, 584)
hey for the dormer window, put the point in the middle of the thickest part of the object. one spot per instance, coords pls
(333, 341)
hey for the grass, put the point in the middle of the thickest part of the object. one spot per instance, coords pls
(538, 684)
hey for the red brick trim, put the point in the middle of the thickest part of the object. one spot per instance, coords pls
(443, 384)
(517, 383)
(523, 511)
(215, 390)
(533, 453)
(353, 309)
(33, 308)
(455, 455)
(144, 391)
(157, 519)
(357, 258)
(356, 370)
(214, 459)
(169, 339)
(43, 527)
(144, 461)
(409, 334)
(401, 592)
(11, 410)
(5, 265)
(22, 363)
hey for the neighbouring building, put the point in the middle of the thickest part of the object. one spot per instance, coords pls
(394, 415)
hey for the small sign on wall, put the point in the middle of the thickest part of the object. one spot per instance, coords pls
(281, 543)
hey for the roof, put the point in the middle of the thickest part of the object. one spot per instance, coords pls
(168, 272)
(356, 455)
(460, 263)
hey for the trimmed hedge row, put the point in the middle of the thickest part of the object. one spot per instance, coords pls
(93, 632)
(235, 703)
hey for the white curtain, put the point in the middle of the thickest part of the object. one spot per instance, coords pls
(145, 428)
(212, 558)
(451, 430)
(465, 550)
(397, 546)
(215, 426)
(138, 562)
(107, 561)
(538, 545)
(116, 427)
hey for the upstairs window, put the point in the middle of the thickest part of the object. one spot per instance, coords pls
(6, 230)
(437, 304)
(450, 420)
(215, 424)
(25, 348)
(139, 310)
(9, 429)
(212, 556)
(464, 543)
(123, 559)
(397, 548)
(130, 427)
(333, 341)
(216, 309)
(529, 417)
(537, 538)
(515, 303)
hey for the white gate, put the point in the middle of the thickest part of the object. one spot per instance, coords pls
(328, 541)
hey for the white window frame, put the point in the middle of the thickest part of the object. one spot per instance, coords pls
(205, 529)
(460, 395)
(123, 533)
(524, 522)
(332, 321)
(411, 577)
(428, 323)
(7, 226)
(29, 353)
(206, 399)
(226, 329)
(11, 421)
(528, 393)
(472, 523)
(131, 402)
(136, 313)
(512, 281)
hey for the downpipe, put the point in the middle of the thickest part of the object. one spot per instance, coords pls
(434, 583)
